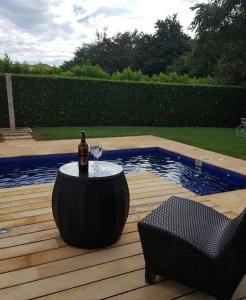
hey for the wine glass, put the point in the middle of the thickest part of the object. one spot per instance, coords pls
(93, 150)
(96, 151)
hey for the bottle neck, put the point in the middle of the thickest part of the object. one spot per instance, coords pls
(82, 137)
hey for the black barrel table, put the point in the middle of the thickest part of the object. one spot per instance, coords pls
(90, 210)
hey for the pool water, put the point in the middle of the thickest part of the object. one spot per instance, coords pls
(202, 179)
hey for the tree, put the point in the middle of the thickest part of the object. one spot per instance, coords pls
(166, 45)
(5, 64)
(111, 54)
(140, 51)
(220, 28)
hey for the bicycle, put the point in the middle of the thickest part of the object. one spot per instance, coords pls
(241, 129)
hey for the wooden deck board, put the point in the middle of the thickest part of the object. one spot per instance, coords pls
(36, 263)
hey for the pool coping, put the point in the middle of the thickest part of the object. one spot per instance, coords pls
(33, 148)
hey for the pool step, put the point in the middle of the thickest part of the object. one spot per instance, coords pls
(21, 133)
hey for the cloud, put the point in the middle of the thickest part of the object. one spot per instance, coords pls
(78, 10)
(106, 12)
(38, 31)
(34, 17)
(51, 30)
(26, 14)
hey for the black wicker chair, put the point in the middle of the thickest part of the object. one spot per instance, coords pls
(193, 244)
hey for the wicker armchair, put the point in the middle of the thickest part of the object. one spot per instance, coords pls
(193, 244)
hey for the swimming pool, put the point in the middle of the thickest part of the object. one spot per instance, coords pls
(202, 179)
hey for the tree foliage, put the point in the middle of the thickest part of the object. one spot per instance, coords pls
(218, 49)
(95, 71)
(155, 53)
(220, 28)
(111, 54)
(8, 66)
(150, 53)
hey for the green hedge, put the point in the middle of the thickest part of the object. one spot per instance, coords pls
(59, 101)
(4, 117)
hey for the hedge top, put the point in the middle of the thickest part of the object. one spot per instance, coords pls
(57, 77)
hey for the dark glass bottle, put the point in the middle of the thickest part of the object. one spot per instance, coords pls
(83, 154)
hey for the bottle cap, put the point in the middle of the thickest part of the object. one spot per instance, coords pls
(83, 135)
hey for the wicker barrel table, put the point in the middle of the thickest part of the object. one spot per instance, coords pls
(90, 210)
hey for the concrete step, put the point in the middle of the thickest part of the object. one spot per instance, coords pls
(19, 129)
(21, 137)
(16, 134)
(21, 133)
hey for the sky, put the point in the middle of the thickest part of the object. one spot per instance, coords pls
(49, 31)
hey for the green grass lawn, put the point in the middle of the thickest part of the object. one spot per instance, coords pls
(222, 140)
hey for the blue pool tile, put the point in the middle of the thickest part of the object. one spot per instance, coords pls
(202, 179)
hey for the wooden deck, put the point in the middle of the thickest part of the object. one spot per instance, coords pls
(36, 263)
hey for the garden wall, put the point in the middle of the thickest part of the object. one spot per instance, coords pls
(59, 101)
